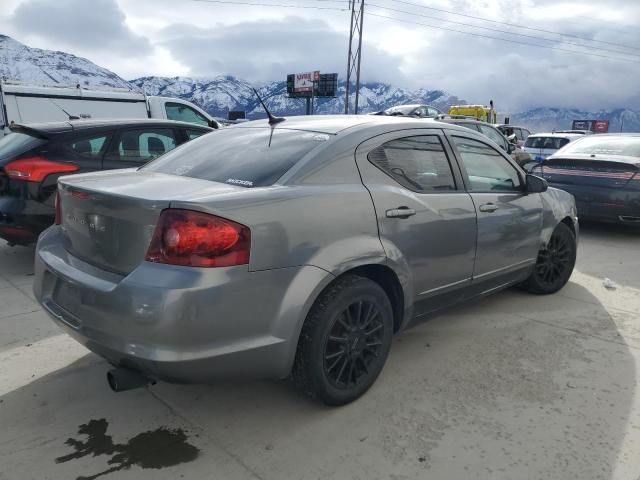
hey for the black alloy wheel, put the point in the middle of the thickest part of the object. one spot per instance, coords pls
(555, 262)
(345, 341)
(354, 344)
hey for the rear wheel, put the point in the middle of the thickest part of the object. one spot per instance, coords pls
(344, 342)
(554, 264)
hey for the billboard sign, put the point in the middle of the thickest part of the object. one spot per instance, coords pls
(596, 126)
(304, 81)
(326, 85)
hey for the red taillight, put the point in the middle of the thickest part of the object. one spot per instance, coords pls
(36, 169)
(56, 203)
(196, 239)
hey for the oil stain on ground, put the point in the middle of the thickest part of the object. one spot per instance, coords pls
(158, 448)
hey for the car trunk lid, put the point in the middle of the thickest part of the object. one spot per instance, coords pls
(108, 219)
(591, 171)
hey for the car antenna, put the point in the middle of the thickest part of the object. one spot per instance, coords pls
(272, 120)
(71, 117)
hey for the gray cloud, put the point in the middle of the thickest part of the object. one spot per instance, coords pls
(520, 77)
(269, 49)
(96, 25)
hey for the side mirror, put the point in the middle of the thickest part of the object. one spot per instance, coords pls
(214, 124)
(511, 148)
(536, 184)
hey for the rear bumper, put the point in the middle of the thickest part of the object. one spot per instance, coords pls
(178, 324)
(605, 204)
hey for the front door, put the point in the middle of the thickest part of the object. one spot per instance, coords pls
(509, 219)
(427, 221)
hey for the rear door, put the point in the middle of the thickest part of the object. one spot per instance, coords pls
(133, 147)
(427, 222)
(509, 219)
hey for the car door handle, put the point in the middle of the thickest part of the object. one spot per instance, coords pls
(400, 212)
(488, 207)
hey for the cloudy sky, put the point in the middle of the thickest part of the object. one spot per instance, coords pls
(401, 46)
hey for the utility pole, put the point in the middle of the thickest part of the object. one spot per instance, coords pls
(355, 50)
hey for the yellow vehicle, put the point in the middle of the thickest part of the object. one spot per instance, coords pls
(479, 112)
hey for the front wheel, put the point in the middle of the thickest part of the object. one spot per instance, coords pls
(554, 264)
(344, 341)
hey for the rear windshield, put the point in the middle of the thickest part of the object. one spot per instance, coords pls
(247, 157)
(598, 145)
(551, 143)
(16, 144)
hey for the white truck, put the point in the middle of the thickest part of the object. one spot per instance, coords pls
(23, 103)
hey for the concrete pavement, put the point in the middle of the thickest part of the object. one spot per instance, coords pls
(512, 387)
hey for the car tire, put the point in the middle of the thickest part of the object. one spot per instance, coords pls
(555, 263)
(345, 341)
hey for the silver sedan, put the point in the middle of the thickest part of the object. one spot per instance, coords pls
(294, 250)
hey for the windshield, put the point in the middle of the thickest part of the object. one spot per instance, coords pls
(16, 144)
(549, 143)
(247, 157)
(597, 145)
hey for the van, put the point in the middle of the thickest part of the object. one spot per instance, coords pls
(23, 104)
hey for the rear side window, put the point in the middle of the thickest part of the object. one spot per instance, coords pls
(243, 156)
(140, 146)
(552, 143)
(91, 147)
(15, 144)
(417, 163)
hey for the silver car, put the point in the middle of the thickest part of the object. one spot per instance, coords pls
(294, 250)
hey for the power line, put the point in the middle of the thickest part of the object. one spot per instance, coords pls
(513, 24)
(283, 5)
(502, 39)
(535, 37)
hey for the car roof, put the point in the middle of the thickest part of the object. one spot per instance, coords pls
(455, 121)
(557, 135)
(511, 125)
(334, 124)
(50, 129)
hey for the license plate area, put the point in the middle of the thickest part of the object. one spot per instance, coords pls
(68, 296)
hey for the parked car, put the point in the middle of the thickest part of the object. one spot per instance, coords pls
(414, 110)
(294, 249)
(521, 133)
(32, 158)
(24, 103)
(602, 172)
(542, 145)
(489, 131)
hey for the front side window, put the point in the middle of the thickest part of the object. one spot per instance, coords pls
(487, 169)
(90, 147)
(417, 163)
(184, 113)
(193, 133)
(140, 146)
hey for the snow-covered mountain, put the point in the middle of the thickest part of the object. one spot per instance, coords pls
(221, 94)
(45, 67)
(547, 119)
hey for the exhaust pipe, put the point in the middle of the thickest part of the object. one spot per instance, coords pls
(123, 379)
